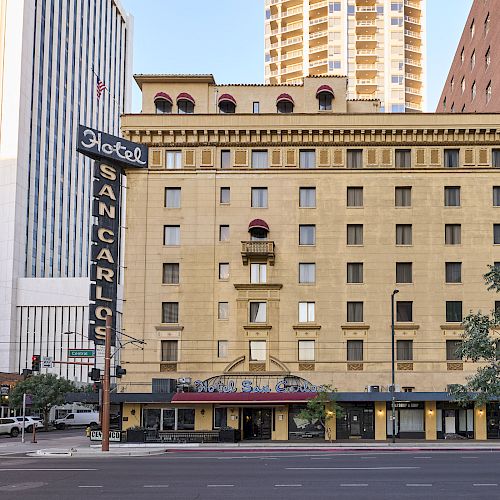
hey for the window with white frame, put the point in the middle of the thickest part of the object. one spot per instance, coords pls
(172, 197)
(307, 158)
(259, 159)
(307, 312)
(258, 312)
(306, 350)
(307, 234)
(225, 195)
(174, 160)
(307, 272)
(259, 197)
(258, 350)
(224, 270)
(223, 232)
(307, 197)
(258, 273)
(171, 235)
(222, 348)
(223, 312)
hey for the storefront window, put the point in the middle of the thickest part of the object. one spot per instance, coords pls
(185, 419)
(151, 419)
(220, 417)
(168, 420)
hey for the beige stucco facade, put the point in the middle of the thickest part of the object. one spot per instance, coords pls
(200, 138)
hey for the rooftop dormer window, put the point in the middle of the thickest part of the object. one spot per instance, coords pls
(284, 103)
(325, 95)
(185, 103)
(227, 104)
(163, 103)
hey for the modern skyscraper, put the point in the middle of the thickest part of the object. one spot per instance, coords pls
(52, 53)
(473, 79)
(378, 44)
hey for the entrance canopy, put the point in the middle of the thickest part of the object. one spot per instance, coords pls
(242, 397)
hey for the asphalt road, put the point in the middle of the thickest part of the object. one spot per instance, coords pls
(256, 475)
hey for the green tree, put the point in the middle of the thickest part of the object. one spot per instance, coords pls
(46, 390)
(480, 345)
(322, 408)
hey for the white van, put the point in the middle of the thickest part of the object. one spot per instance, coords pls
(74, 419)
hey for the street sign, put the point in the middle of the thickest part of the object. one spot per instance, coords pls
(114, 436)
(81, 353)
(47, 362)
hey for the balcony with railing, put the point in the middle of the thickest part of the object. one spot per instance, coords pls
(366, 8)
(319, 62)
(413, 62)
(318, 20)
(411, 90)
(318, 48)
(413, 5)
(318, 5)
(291, 41)
(412, 20)
(413, 48)
(366, 22)
(411, 76)
(291, 27)
(413, 105)
(257, 249)
(318, 34)
(292, 68)
(414, 34)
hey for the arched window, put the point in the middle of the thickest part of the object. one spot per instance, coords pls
(325, 95)
(227, 104)
(163, 103)
(258, 229)
(284, 104)
(185, 103)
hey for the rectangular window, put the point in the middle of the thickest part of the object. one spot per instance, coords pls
(451, 158)
(354, 234)
(453, 272)
(307, 273)
(355, 312)
(259, 159)
(258, 312)
(259, 197)
(354, 196)
(496, 234)
(224, 271)
(496, 196)
(452, 234)
(404, 272)
(404, 311)
(169, 350)
(223, 233)
(453, 311)
(403, 234)
(307, 234)
(307, 197)
(173, 197)
(354, 158)
(171, 235)
(307, 312)
(402, 196)
(452, 346)
(307, 158)
(223, 312)
(306, 350)
(354, 350)
(225, 158)
(255, 107)
(258, 273)
(170, 312)
(174, 160)
(403, 158)
(354, 272)
(452, 196)
(220, 417)
(225, 195)
(171, 273)
(495, 158)
(404, 349)
(257, 350)
(222, 348)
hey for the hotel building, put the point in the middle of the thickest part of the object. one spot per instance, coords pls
(50, 54)
(378, 44)
(264, 242)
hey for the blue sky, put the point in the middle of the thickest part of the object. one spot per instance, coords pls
(226, 38)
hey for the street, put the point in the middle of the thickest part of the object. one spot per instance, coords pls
(256, 475)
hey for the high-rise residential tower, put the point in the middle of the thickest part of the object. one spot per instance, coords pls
(378, 44)
(52, 53)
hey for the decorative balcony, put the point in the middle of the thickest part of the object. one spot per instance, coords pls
(257, 249)
(413, 5)
(414, 34)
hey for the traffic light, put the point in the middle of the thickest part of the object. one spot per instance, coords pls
(119, 371)
(35, 362)
(96, 386)
(95, 374)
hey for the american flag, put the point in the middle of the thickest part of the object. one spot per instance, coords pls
(101, 87)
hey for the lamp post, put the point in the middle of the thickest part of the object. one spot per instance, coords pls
(393, 387)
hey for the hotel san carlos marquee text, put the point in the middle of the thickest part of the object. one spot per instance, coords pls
(111, 154)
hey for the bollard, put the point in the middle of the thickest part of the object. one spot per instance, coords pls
(34, 434)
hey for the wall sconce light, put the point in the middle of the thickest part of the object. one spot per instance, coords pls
(481, 412)
(329, 413)
(431, 412)
(202, 412)
(132, 411)
(380, 412)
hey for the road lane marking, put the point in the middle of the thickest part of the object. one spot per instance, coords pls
(47, 470)
(349, 468)
(422, 457)
(89, 486)
(365, 458)
(485, 484)
(156, 486)
(220, 485)
(418, 484)
(354, 484)
(469, 457)
(287, 485)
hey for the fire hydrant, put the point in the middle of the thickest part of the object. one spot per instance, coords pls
(87, 431)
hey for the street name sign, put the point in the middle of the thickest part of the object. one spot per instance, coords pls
(81, 353)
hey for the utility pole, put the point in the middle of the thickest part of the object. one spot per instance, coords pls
(105, 386)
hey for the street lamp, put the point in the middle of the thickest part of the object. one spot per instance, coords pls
(393, 387)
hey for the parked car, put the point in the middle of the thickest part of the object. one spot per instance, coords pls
(10, 426)
(75, 419)
(29, 423)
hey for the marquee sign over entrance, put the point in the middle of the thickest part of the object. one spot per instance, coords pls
(227, 384)
(111, 154)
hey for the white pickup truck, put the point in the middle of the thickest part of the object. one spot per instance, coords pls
(90, 418)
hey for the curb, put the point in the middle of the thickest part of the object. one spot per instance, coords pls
(88, 453)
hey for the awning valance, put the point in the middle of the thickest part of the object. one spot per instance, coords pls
(242, 397)
(162, 96)
(324, 89)
(285, 97)
(227, 98)
(184, 96)
(258, 224)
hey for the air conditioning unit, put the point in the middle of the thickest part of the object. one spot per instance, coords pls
(394, 388)
(181, 381)
(373, 388)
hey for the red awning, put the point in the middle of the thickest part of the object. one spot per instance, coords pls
(258, 223)
(227, 97)
(242, 397)
(285, 97)
(326, 89)
(184, 96)
(163, 96)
